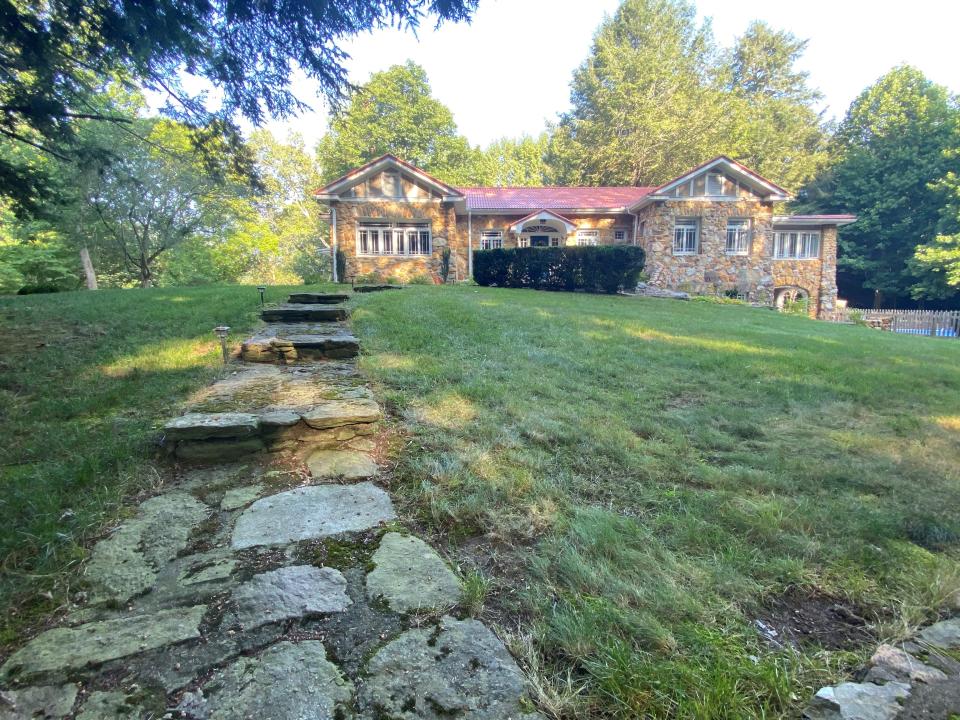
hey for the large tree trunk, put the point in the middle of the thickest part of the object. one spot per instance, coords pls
(88, 271)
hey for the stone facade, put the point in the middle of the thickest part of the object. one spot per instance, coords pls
(388, 190)
(442, 220)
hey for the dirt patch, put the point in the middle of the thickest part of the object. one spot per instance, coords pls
(804, 618)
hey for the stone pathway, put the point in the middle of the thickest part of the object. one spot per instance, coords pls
(272, 579)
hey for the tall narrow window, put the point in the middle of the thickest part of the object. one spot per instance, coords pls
(738, 237)
(491, 239)
(587, 237)
(391, 184)
(714, 184)
(685, 236)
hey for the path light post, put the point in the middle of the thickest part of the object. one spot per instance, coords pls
(221, 331)
(261, 289)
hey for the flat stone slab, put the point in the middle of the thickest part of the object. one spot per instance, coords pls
(321, 298)
(890, 663)
(236, 498)
(458, 670)
(344, 464)
(375, 288)
(289, 681)
(208, 570)
(944, 634)
(858, 701)
(304, 313)
(312, 512)
(44, 701)
(342, 412)
(290, 592)
(64, 649)
(410, 575)
(203, 426)
(125, 564)
(108, 706)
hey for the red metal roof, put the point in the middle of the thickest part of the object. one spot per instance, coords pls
(552, 198)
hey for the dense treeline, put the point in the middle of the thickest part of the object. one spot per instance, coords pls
(187, 200)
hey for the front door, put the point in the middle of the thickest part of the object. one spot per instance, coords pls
(539, 241)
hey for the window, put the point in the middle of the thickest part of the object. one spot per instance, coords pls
(685, 236)
(619, 236)
(523, 241)
(393, 239)
(796, 245)
(738, 237)
(714, 184)
(587, 237)
(491, 240)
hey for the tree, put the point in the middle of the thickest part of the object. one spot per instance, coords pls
(54, 54)
(891, 153)
(520, 162)
(771, 124)
(939, 260)
(644, 109)
(153, 195)
(395, 112)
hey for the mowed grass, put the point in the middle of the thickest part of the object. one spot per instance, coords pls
(86, 382)
(629, 482)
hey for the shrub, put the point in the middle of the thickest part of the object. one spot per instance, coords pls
(605, 269)
(341, 260)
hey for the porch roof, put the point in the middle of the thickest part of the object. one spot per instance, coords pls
(608, 199)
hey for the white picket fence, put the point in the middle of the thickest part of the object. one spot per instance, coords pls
(932, 323)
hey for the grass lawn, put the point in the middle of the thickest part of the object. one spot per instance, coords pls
(636, 481)
(627, 484)
(86, 380)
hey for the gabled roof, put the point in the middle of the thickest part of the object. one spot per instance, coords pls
(331, 190)
(610, 199)
(766, 188)
(806, 220)
(544, 216)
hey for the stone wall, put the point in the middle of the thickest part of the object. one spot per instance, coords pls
(443, 228)
(711, 268)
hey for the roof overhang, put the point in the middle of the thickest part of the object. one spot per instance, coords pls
(768, 190)
(542, 217)
(333, 190)
(813, 220)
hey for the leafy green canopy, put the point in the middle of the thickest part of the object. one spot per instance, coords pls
(656, 97)
(395, 112)
(55, 55)
(894, 148)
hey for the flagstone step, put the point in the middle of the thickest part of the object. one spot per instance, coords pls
(375, 288)
(291, 312)
(310, 298)
(293, 342)
(285, 408)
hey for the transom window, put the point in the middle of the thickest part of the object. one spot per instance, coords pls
(619, 235)
(738, 237)
(587, 237)
(796, 245)
(393, 239)
(685, 236)
(491, 240)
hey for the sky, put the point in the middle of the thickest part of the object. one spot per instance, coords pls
(508, 72)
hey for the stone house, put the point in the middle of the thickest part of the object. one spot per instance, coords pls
(712, 229)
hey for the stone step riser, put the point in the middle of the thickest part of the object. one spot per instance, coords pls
(288, 355)
(304, 313)
(317, 298)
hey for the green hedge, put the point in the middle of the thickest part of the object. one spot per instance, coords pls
(605, 269)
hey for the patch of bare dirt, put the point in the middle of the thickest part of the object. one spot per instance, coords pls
(804, 618)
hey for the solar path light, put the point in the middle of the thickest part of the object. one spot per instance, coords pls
(261, 289)
(221, 331)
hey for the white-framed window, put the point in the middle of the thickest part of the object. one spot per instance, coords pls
(796, 245)
(587, 237)
(619, 236)
(738, 236)
(686, 236)
(491, 239)
(523, 241)
(393, 239)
